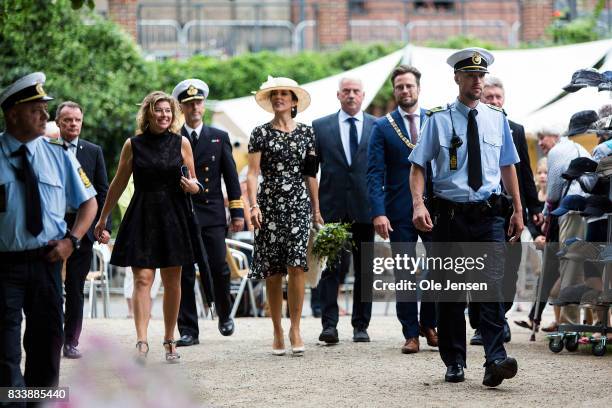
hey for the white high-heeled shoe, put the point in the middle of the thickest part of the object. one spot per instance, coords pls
(279, 352)
(298, 351)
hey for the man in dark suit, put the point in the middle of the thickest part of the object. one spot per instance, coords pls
(392, 140)
(493, 93)
(69, 118)
(213, 160)
(342, 142)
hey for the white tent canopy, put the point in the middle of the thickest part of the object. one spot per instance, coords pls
(532, 79)
(239, 116)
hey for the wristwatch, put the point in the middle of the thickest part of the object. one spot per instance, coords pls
(76, 243)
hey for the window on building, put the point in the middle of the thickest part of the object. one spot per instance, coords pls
(357, 6)
(441, 5)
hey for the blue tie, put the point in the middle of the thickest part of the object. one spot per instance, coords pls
(353, 142)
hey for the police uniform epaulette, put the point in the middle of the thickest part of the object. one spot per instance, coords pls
(496, 108)
(436, 109)
(57, 142)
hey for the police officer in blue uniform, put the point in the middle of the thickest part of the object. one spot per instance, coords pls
(38, 179)
(470, 147)
(213, 160)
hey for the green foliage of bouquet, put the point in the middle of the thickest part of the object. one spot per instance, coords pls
(330, 240)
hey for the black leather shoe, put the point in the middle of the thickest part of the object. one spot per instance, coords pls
(360, 336)
(454, 373)
(499, 370)
(187, 340)
(329, 335)
(226, 327)
(71, 352)
(476, 339)
(507, 332)
(316, 313)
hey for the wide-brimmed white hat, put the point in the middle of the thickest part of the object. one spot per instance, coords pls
(263, 95)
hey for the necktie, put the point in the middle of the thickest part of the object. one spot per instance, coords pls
(32, 196)
(194, 139)
(353, 142)
(473, 150)
(414, 133)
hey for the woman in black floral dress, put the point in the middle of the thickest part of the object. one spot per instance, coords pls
(284, 151)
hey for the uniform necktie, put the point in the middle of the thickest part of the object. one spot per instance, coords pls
(473, 150)
(32, 196)
(414, 133)
(353, 142)
(194, 139)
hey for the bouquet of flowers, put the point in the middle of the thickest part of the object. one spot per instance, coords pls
(330, 240)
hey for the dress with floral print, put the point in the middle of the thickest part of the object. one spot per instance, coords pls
(283, 199)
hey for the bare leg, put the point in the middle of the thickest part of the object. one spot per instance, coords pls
(274, 290)
(141, 298)
(130, 309)
(171, 278)
(557, 310)
(295, 299)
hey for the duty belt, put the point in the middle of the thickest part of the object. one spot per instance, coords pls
(496, 205)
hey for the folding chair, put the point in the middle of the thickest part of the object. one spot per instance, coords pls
(238, 263)
(97, 278)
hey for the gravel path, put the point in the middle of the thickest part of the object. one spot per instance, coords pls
(240, 371)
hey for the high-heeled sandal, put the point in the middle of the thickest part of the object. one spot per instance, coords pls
(141, 356)
(171, 356)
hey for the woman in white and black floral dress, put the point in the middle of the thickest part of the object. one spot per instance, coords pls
(287, 200)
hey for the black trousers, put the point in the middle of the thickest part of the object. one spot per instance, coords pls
(451, 317)
(407, 312)
(34, 288)
(330, 283)
(214, 242)
(77, 268)
(511, 267)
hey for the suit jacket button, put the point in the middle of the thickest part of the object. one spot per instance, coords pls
(206, 190)
(206, 180)
(206, 169)
(206, 201)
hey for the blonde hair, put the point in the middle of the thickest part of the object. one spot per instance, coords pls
(145, 113)
(542, 163)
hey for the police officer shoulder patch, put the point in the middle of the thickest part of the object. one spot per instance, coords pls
(496, 108)
(84, 178)
(57, 142)
(435, 110)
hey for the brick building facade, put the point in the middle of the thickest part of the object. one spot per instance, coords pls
(328, 24)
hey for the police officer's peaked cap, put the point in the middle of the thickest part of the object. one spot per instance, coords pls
(471, 59)
(189, 90)
(26, 89)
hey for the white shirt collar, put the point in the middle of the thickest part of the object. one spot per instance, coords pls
(342, 116)
(198, 130)
(75, 142)
(403, 113)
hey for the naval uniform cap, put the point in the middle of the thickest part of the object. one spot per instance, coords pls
(26, 89)
(189, 90)
(473, 59)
